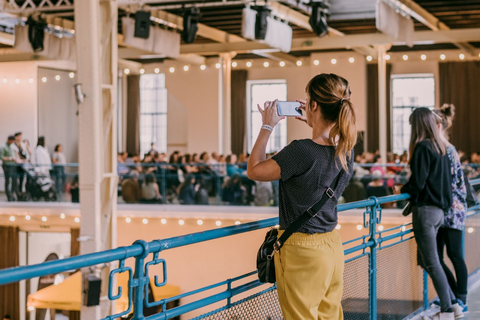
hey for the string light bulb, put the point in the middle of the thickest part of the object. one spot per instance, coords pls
(387, 57)
(163, 221)
(44, 219)
(234, 64)
(62, 215)
(30, 80)
(423, 57)
(470, 230)
(403, 228)
(248, 64)
(199, 222)
(266, 64)
(369, 58)
(359, 227)
(12, 218)
(351, 59)
(128, 220)
(237, 223)
(380, 228)
(5, 80)
(405, 57)
(334, 61)
(442, 57)
(218, 223)
(299, 63)
(461, 56)
(203, 67)
(44, 79)
(31, 308)
(77, 219)
(172, 69)
(127, 71)
(218, 65)
(282, 64)
(338, 227)
(17, 81)
(181, 222)
(57, 77)
(145, 221)
(27, 217)
(71, 75)
(157, 70)
(316, 62)
(142, 71)
(185, 68)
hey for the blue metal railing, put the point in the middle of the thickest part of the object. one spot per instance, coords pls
(139, 278)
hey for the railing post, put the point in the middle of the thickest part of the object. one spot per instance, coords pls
(139, 281)
(425, 290)
(373, 260)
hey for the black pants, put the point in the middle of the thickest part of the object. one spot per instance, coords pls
(10, 173)
(453, 239)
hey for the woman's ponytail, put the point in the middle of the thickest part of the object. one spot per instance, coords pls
(344, 133)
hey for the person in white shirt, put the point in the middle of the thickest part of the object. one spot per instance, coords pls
(41, 159)
(59, 161)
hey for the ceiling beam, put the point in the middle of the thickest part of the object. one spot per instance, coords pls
(346, 42)
(429, 20)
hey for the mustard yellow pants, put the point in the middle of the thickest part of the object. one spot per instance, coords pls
(309, 274)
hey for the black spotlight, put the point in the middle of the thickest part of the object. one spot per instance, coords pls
(190, 24)
(318, 19)
(36, 32)
(261, 24)
(142, 24)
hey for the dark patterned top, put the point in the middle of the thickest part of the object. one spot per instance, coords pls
(307, 170)
(455, 216)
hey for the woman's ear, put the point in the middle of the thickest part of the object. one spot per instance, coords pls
(314, 105)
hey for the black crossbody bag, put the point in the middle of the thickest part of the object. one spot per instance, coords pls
(272, 244)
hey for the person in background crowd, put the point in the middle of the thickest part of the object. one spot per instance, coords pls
(355, 190)
(430, 190)
(152, 149)
(122, 168)
(150, 191)
(41, 158)
(59, 160)
(9, 168)
(242, 161)
(376, 188)
(232, 168)
(148, 164)
(233, 193)
(22, 154)
(7, 317)
(201, 196)
(263, 194)
(131, 191)
(195, 158)
(74, 190)
(186, 191)
(450, 234)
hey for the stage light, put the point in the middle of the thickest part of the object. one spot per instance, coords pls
(142, 71)
(387, 57)
(44, 79)
(359, 227)
(44, 219)
(369, 58)
(334, 61)
(234, 64)
(338, 227)
(127, 71)
(62, 215)
(128, 220)
(185, 68)
(316, 62)
(12, 218)
(237, 223)
(181, 222)
(351, 60)
(163, 221)
(442, 56)
(248, 64)
(380, 228)
(461, 56)
(190, 24)
(405, 57)
(318, 18)
(423, 57)
(218, 65)
(145, 221)
(77, 219)
(199, 222)
(27, 217)
(218, 223)
(157, 70)
(172, 69)
(203, 67)
(266, 64)
(299, 63)
(142, 24)
(282, 64)
(71, 75)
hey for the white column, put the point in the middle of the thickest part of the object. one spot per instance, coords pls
(382, 102)
(96, 36)
(225, 106)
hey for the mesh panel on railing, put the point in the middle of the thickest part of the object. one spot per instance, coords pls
(356, 289)
(263, 305)
(472, 240)
(399, 281)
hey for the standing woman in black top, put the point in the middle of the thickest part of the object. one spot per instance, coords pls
(309, 266)
(430, 188)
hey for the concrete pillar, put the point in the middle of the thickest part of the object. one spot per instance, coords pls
(225, 105)
(96, 36)
(382, 102)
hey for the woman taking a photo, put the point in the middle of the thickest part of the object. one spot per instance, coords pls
(430, 189)
(309, 266)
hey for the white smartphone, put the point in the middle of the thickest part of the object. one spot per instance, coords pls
(289, 109)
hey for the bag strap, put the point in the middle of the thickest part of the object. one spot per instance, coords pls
(307, 214)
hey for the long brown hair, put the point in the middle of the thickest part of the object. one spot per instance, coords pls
(424, 127)
(332, 94)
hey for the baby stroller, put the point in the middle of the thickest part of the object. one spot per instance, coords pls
(38, 186)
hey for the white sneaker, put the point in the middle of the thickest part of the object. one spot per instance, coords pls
(440, 316)
(458, 311)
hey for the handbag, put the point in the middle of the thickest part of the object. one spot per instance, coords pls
(272, 244)
(407, 209)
